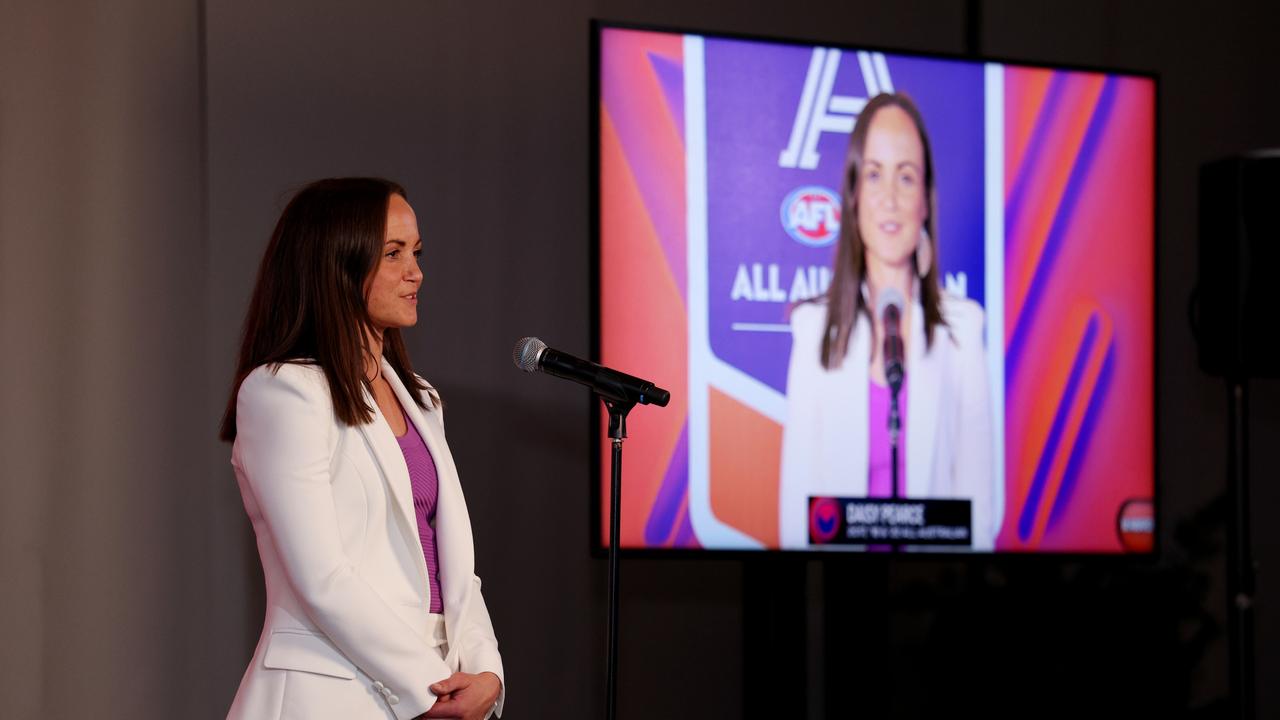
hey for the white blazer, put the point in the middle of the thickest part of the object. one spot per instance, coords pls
(948, 419)
(347, 632)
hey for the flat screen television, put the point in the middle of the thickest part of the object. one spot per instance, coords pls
(757, 202)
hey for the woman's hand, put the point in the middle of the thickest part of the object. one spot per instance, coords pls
(466, 696)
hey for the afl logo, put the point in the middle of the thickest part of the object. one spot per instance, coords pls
(824, 520)
(811, 215)
(1136, 524)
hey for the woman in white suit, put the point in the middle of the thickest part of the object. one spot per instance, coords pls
(373, 606)
(835, 441)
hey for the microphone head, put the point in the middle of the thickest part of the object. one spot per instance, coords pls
(889, 298)
(527, 352)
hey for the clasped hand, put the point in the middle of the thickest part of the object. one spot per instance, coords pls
(465, 696)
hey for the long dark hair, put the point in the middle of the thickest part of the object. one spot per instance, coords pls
(844, 296)
(308, 304)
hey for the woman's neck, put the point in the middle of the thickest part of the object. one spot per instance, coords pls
(880, 276)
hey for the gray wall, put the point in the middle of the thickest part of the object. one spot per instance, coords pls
(145, 151)
(104, 431)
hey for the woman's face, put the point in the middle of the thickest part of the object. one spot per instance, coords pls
(392, 291)
(892, 200)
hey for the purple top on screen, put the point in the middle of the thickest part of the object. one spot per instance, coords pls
(426, 491)
(879, 467)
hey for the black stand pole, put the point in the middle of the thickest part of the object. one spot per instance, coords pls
(895, 428)
(1240, 580)
(617, 433)
(775, 624)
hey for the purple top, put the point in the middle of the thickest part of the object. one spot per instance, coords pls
(426, 491)
(879, 467)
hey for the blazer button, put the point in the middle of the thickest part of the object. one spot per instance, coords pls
(378, 684)
(393, 699)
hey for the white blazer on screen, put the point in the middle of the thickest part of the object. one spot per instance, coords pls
(948, 419)
(347, 632)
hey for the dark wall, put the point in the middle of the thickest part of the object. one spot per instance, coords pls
(482, 115)
(1213, 68)
(178, 130)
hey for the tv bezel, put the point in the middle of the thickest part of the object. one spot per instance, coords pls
(599, 546)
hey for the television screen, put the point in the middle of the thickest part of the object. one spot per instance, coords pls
(903, 303)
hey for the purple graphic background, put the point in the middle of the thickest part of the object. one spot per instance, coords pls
(752, 94)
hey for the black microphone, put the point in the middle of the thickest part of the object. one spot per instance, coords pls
(532, 354)
(889, 303)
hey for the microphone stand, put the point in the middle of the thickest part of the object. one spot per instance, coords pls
(893, 374)
(895, 428)
(1240, 566)
(617, 433)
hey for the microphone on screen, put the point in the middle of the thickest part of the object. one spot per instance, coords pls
(889, 304)
(531, 354)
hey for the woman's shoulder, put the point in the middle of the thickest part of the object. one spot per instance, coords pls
(430, 395)
(808, 317)
(424, 382)
(298, 377)
(964, 317)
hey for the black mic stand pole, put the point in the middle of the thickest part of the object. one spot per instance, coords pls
(617, 433)
(895, 427)
(1240, 575)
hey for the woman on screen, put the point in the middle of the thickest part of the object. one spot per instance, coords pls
(373, 607)
(836, 441)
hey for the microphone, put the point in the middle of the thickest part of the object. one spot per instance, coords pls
(889, 303)
(532, 354)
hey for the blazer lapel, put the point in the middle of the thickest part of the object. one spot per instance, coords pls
(386, 451)
(923, 373)
(849, 414)
(453, 525)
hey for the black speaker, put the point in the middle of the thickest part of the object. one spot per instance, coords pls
(1238, 323)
